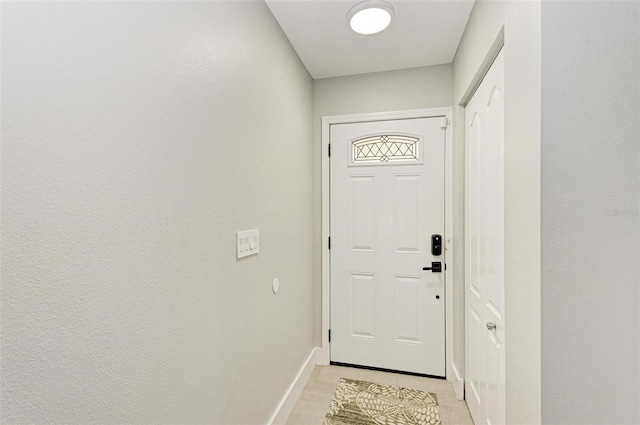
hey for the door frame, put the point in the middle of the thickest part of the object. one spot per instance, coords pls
(445, 113)
(490, 56)
(470, 333)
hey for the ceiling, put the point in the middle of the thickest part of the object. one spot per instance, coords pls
(424, 32)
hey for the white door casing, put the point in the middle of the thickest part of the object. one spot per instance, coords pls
(387, 312)
(484, 249)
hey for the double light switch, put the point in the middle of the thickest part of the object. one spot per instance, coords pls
(247, 243)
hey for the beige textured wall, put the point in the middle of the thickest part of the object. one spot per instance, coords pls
(137, 138)
(416, 88)
(590, 215)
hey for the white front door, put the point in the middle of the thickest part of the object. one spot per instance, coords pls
(484, 249)
(387, 200)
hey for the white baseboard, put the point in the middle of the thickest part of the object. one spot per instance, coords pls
(458, 382)
(291, 396)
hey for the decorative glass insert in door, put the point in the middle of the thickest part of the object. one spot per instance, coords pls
(383, 148)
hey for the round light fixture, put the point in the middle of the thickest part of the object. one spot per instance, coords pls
(370, 17)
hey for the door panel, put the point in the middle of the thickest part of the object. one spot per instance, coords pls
(408, 309)
(484, 249)
(387, 199)
(363, 305)
(362, 215)
(407, 212)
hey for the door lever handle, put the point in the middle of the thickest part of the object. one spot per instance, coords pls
(436, 267)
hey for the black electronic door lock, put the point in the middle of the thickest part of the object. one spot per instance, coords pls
(436, 267)
(436, 245)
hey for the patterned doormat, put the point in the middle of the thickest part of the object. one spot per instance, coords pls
(363, 403)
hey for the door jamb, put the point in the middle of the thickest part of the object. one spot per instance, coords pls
(446, 112)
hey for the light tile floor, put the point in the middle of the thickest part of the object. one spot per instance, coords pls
(316, 397)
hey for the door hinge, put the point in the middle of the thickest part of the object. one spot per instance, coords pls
(329, 150)
(444, 122)
(329, 335)
(329, 242)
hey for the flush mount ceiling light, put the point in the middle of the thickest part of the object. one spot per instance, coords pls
(370, 17)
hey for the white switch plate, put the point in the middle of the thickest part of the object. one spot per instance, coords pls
(247, 243)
